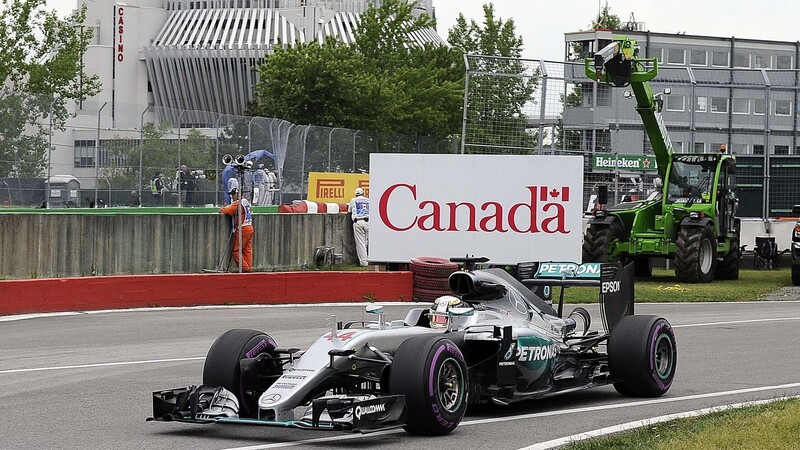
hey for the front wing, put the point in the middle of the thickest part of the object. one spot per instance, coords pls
(210, 404)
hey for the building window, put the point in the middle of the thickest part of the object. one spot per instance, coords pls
(758, 149)
(701, 104)
(759, 106)
(781, 149)
(699, 147)
(761, 61)
(739, 149)
(741, 106)
(698, 58)
(741, 59)
(676, 56)
(655, 52)
(783, 62)
(719, 105)
(84, 153)
(676, 102)
(783, 107)
(719, 59)
(677, 147)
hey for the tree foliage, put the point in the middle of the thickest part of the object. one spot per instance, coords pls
(384, 82)
(40, 67)
(606, 20)
(496, 104)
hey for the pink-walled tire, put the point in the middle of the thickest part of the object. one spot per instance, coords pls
(642, 356)
(432, 374)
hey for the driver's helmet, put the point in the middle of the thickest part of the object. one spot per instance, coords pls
(438, 312)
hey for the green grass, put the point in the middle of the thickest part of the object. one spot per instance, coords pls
(663, 287)
(770, 426)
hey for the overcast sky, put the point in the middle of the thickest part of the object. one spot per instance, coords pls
(542, 23)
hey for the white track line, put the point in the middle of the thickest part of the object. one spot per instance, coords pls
(644, 423)
(109, 364)
(535, 415)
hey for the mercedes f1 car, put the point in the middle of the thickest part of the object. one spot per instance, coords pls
(492, 340)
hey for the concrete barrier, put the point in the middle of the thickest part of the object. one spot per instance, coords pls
(94, 293)
(71, 245)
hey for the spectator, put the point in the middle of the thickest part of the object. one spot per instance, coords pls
(359, 211)
(239, 209)
(157, 188)
(271, 187)
(260, 181)
(183, 183)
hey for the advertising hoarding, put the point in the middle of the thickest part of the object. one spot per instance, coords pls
(508, 208)
(335, 187)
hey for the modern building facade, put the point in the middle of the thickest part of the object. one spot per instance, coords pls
(188, 61)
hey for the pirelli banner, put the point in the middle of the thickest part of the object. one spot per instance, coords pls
(336, 187)
(508, 208)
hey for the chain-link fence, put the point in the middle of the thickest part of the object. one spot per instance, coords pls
(517, 106)
(131, 155)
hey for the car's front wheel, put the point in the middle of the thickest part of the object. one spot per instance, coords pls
(222, 366)
(432, 374)
(642, 356)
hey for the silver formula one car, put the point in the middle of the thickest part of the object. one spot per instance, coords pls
(493, 340)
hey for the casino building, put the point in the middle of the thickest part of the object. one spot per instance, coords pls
(156, 58)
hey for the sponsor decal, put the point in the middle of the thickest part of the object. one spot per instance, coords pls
(510, 353)
(369, 409)
(543, 212)
(345, 336)
(630, 163)
(537, 353)
(287, 386)
(507, 363)
(261, 346)
(693, 159)
(331, 187)
(561, 269)
(271, 398)
(610, 287)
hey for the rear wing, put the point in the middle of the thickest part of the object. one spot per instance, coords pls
(615, 281)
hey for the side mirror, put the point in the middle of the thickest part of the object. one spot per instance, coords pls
(374, 309)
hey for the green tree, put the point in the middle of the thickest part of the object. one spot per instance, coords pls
(501, 89)
(382, 83)
(40, 66)
(606, 20)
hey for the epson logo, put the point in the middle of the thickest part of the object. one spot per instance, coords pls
(610, 287)
(369, 409)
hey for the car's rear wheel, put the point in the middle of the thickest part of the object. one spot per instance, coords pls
(222, 365)
(432, 374)
(642, 356)
(728, 268)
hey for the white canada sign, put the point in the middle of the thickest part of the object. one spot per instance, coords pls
(508, 208)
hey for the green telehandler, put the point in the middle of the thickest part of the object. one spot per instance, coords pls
(692, 219)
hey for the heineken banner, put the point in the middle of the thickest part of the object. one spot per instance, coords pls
(625, 163)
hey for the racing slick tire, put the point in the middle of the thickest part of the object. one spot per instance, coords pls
(599, 240)
(222, 365)
(795, 274)
(642, 356)
(728, 268)
(695, 254)
(432, 267)
(432, 374)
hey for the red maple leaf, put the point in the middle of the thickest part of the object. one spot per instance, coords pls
(554, 193)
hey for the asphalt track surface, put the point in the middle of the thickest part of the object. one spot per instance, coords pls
(84, 380)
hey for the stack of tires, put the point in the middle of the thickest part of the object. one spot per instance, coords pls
(430, 277)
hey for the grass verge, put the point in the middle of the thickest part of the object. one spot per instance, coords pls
(663, 287)
(769, 426)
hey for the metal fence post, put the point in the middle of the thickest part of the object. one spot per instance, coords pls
(49, 157)
(542, 106)
(216, 162)
(466, 104)
(97, 155)
(141, 153)
(767, 131)
(180, 116)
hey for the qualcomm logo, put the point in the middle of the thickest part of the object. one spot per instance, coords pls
(369, 409)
